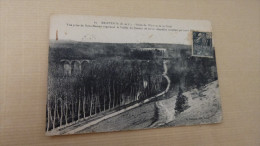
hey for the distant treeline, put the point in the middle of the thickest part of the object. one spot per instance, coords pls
(81, 50)
(126, 53)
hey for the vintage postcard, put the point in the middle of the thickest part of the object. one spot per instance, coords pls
(116, 73)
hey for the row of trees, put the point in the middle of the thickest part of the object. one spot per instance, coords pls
(105, 85)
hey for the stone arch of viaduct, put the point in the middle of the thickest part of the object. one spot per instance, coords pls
(73, 66)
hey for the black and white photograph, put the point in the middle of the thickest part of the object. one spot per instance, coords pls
(100, 81)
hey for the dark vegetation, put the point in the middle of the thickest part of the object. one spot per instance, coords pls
(187, 72)
(181, 102)
(116, 75)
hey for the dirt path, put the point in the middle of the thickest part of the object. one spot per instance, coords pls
(80, 127)
(165, 114)
(165, 75)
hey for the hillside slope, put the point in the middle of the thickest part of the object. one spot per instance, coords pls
(204, 108)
